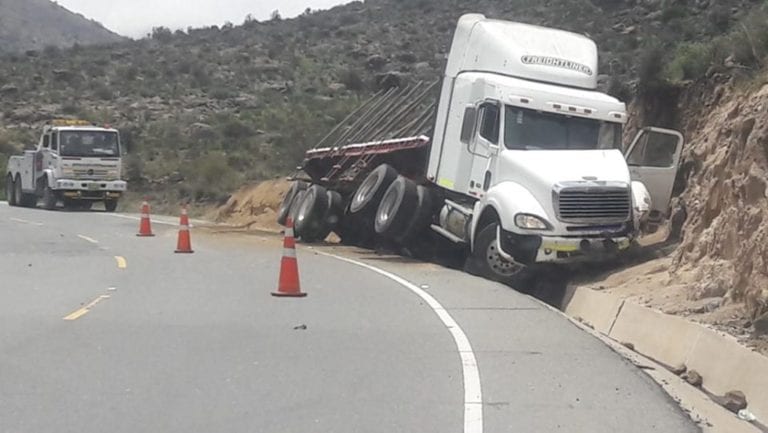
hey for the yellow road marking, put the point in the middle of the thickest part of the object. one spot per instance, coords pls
(121, 262)
(84, 310)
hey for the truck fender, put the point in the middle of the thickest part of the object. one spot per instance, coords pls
(506, 199)
(641, 202)
(50, 176)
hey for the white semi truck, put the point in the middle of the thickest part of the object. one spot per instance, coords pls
(74, 162)
(524, 165)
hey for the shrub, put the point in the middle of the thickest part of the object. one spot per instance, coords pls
(690, 62)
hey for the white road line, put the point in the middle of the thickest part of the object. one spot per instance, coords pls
(19, 220)
(154, 221)
(87, 239)
(473, 397)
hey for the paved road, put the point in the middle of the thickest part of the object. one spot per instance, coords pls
(103, 331)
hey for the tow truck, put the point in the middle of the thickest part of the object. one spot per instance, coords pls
(75, 162)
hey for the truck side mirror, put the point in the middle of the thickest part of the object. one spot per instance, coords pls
(468, 125)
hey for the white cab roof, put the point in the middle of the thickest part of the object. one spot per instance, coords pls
(523, 51)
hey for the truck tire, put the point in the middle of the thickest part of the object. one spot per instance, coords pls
(369, 193)
(22, 199)
(311, 217)
(290, 196)
(294, 210)
(485, 260)
(10, 191)
(49, 197)
(110, 205)
(421, 218)
(335, 210)
(396, 208)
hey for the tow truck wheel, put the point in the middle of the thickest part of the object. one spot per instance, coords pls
(24, 200)
(10, 191)
(311, 221)
(396, 208)
(486, 261)
(369, 194)
(290, 197)
(49, 198)
(110, 205)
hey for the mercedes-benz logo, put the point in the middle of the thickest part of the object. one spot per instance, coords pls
(90, 172)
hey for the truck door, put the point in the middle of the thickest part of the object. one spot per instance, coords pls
(653, 159)
(484, 146)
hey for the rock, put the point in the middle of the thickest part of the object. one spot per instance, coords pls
(376, 62)
(761, 324)
(422, 67)
(733, 401)
(628, 345)
(336, 88)
(678, 369)
(693, 378)
(9, 89)
(391, 79)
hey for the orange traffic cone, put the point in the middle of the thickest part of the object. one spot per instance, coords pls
(184, 246)
(145, 226)
(288, 285)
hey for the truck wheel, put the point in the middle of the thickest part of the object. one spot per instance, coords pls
(293, 212)
(486, 261)
(396, 208)
(22, 199)
(290, 196)
(110, 205)
(10, 191)
(369, 193)
(421, 217)
(49, 198)
(310, 218)
(335, 209)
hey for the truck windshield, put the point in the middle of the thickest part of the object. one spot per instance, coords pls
(534, 130)
(89, 144)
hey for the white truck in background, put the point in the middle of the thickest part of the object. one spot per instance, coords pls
(524, 165)
(75, 162)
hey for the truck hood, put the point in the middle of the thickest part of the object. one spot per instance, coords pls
(540, 170)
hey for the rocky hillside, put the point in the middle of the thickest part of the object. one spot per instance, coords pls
(36, 24)
(206, 110)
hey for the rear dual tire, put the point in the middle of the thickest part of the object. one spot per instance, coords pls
(314, 210)
(10, 191)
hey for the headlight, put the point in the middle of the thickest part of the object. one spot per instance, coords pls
(531, 222)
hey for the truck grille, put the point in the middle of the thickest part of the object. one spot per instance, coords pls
(593, 204)
(96, 173)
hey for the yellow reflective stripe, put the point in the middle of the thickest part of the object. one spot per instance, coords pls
(561, 248)
(446, 183)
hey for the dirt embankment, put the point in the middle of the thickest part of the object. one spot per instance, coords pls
(724, 249)
(254, 207)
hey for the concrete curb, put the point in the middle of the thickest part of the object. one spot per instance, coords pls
(724, 364)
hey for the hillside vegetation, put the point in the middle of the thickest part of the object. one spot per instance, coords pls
(204, 110)
(36, 24)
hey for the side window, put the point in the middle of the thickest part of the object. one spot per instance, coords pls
(55, 141)
(46, 141)
(654, 150)
(489, 122)
(468, 124)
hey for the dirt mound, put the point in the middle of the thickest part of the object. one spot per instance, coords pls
(724, 252)
(254, 206)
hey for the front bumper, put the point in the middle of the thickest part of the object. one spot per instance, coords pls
(531, 249)
(91, 189)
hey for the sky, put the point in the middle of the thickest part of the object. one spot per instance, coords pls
(136, 18)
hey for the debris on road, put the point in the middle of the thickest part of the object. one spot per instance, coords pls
(300, 328)
(693, 378)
